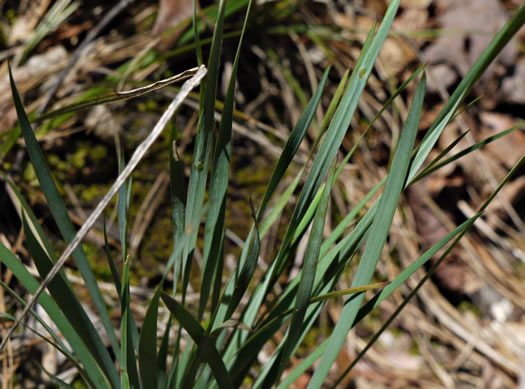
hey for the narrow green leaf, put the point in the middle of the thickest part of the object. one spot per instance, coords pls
(214, 228)
(147, 352)
(69, 304)
(435, 166)
(377, 235)
(206, 347)
(466, 84)
(60, 214)
(57, 342)
(306, 282)
(203, 141)
(291, 147)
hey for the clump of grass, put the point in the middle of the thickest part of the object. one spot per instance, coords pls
(223, 336)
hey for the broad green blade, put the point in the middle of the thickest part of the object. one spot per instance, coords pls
(290, 148)
(377, 235)
(458, 233)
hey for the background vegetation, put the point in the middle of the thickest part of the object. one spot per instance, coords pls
(262, 243)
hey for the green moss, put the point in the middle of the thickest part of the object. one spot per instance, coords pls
(98, 153)
(91, 192)
(467, 306)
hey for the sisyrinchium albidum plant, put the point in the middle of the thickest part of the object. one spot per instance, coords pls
(216, 342)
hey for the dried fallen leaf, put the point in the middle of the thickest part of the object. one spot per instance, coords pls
(171, 13)
(479, 20)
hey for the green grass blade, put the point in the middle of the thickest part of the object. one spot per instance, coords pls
(201, 155)
(377, 235)
(133, 162)
(111, 261)
(327, 152)
(214, 228)
(293, 143)
(178, 207)
(123, 203)
(196, 35)
(206, 347)
(49, 305)
(290, 148)
(426, 171)
(128, 364)
(60, 214)
(57, 342)
(147, 353)
(461, 92)
(58, 13)
(435, 166)
(458, 232)
(305, 287)
(70, 306)
(242, 280)
(337, 129)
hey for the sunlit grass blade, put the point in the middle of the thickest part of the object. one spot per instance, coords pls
(326, 154)
(439, 157)
(60, 214)
(377, 234)
(205, 344)
(466, 84)
(336, 131)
